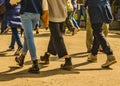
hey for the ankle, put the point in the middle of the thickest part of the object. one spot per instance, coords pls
(68, 60)
(47, 53)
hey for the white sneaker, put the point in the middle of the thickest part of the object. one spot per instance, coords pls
(110, 60)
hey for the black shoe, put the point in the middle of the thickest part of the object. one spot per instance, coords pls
(45, 58)
(20, 60)
(35, 68)
(18, 51)
(68, 64)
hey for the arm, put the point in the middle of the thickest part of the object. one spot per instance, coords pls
(14, 2)
(45, 15)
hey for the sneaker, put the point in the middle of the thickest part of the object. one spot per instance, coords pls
(35, 68)
(45, 58)
(110, 60)
(92, 58)
(20, 59)
(18, 51)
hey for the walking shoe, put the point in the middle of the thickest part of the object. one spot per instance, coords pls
(92, 58)
(20, 59)
(110, 60)
(68, 64)
(45, 58)
(18, 51)
(34, 68)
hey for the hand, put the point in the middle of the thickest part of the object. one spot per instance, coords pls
(14, 2)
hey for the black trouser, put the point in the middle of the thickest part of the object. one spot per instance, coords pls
(56, 44)
(99, 39)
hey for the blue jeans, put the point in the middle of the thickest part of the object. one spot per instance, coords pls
(12, 44)
(73, 20)
(29, 20)
(15, 38)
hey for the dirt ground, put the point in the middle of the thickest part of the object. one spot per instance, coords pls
(84, 74)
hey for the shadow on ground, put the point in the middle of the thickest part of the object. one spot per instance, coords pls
(7, 75)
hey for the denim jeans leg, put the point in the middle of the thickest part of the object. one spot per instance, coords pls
(29, 20)
(100, 38)
(17, 37)
(25, 46)
(12, 44)
(79, 17)
(96, 45)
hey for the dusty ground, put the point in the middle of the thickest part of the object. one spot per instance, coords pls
(84, 74)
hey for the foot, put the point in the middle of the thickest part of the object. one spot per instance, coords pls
(45, 58)
(35, 68)
(111, 60)
(92, 58)
(20, 60)
(66, 66)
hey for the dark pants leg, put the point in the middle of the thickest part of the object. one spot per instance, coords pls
(12, 41)
(99, 39)
(56, 43)
(17, 37)
(51, 47)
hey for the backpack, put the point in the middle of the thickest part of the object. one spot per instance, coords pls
(105, 11)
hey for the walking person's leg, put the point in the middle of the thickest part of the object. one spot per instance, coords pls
(56, 33)
(57, 46)
(99, 39)
(27, 21)
(50, 51)
(18, 40)
(89, 34)
(12, 44)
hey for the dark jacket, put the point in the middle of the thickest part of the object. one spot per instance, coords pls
(94, 12)
(27, 6)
